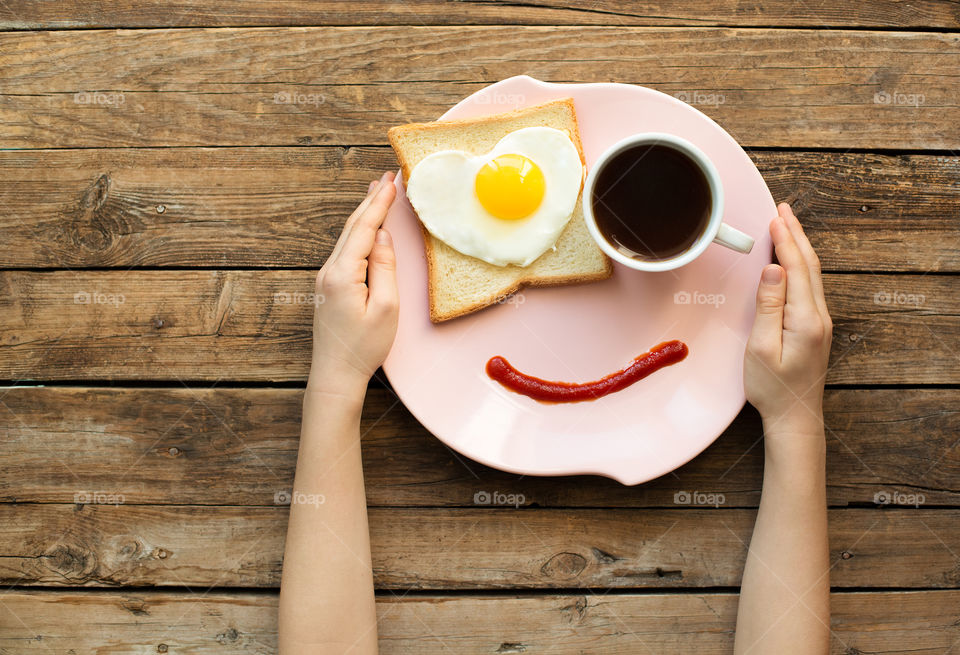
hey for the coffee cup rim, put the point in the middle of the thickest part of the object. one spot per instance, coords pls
(699, 158)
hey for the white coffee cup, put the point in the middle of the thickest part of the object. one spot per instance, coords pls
(716, 231)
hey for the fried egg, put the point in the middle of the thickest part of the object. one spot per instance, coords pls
(507, 206)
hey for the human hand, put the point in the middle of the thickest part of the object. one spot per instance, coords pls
(354, 325)
(786, 356)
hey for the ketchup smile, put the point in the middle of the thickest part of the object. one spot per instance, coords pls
(663, 354)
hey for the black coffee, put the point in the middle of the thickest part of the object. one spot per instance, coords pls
(651, 202)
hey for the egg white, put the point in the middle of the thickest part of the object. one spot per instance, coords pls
(441, 189)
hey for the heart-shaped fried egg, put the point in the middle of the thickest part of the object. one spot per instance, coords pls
(507, 206)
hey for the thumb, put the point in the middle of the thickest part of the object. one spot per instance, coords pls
(766, 338)
(382, 274)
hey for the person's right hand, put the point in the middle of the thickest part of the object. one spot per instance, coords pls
(786, 357)
(354, 325)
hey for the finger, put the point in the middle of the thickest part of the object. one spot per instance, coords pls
(809, 256)
(799, 293)
(766, 337)
(352, 219)
(338, 246)
(382, 273)
(348, 224)
(359, 242)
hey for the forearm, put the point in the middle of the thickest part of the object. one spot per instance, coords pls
(326, 597)
(784, 597)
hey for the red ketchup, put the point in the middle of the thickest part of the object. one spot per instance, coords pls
(663, 354)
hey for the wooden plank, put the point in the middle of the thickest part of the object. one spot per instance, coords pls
(888, 328)
(190, 325)
(924, 623)
(23, 14)
(111, 545)
(219, 87)
(284, 206)
(869, 211)
(238, 447)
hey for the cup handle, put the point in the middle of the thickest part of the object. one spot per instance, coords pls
(734, 239)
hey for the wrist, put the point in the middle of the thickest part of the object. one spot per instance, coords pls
(331, 412)
(800, 420)
(344, 383)
(797, 463)
(799, 444)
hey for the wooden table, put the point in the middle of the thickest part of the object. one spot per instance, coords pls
(159, 191)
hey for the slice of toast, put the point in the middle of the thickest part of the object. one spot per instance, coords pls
(460, 284)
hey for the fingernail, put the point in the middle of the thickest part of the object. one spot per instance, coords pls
(772, 275)
(371, 186)
(383, 237)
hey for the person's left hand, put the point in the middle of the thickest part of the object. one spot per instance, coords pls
(356, 316)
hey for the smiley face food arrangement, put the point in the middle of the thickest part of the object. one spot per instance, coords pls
(498, 199)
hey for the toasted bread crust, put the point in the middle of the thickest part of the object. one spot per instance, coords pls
(531, 280)
(394, 132)
(437, 317)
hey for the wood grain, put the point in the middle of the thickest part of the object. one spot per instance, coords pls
(191, 325)
(23, 14)
(104, 158)
(106, 545)
(201, 623)
(238, 447)
(285, 206)
(786, 88)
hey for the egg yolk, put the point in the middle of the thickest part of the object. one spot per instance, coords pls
(510, 186)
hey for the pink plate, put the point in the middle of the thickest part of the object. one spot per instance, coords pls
(583, 332)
